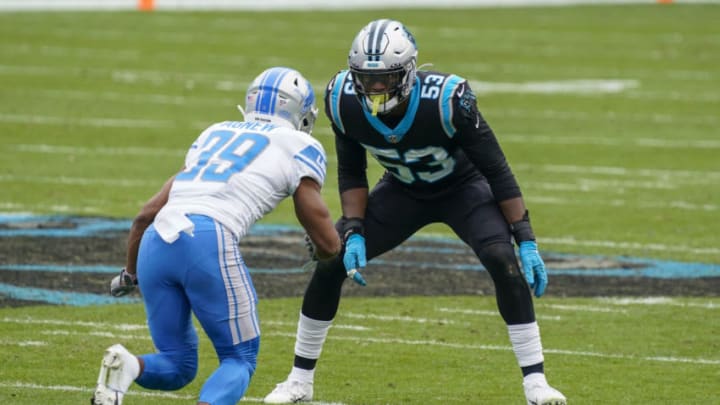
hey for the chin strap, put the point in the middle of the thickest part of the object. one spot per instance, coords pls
(242, 111)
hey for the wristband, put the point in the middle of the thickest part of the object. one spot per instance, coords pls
(521, 230)
(352, 226)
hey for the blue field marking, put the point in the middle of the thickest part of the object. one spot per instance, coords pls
(647, 268)
(29, 225)
(113, 269)
(62, 268)
(62, 297)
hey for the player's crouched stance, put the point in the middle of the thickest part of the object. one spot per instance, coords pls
(183, 247)
(444, 165)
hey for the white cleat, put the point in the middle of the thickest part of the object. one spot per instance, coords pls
(538, 392)
(289, 392)
(118, 370)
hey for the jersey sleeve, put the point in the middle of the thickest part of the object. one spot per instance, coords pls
(480, 145)
(311, 161)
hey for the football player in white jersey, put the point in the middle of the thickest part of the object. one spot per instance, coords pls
(183, 249)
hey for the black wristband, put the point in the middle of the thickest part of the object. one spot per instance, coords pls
(522, 230)
(352, 226)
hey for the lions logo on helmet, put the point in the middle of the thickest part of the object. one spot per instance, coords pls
(382, 62)
(281, 96)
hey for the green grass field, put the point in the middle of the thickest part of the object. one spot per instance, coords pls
(608, 116)
(445, 350)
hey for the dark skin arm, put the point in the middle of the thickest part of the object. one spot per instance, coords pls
(353, 202)
(314, 216)
(513, 209)
(144, 218)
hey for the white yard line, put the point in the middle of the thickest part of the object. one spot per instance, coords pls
(559, 139)
(364, 340)
(657, 301)
(86, 121)
(605, 115)
(78, 181)
(572, 241)
(660, 174)
(131, 393)
(72, 209)
(100, 150)
(574, 200)
(587, 86)
(475, 312)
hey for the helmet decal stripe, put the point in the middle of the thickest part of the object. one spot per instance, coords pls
(268, 91)
(276, 86)
(371, 40)
(380, 34)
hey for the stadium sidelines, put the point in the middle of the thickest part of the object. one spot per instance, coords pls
(149, 5)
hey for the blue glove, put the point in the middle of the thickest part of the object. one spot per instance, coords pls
(354, 257)
(533, 267)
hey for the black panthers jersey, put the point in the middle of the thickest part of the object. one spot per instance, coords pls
(442, 140)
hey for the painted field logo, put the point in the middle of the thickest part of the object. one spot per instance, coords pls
(69, 261)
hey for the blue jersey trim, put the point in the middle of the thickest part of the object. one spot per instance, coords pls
(446, 107)
(396, 134)
(335, 96)
(313, 158)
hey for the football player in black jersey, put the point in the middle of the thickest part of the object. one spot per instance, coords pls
(443, 164)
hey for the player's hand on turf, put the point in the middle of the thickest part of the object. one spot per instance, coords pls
(354, 257)
(533, 267)
(123, 284)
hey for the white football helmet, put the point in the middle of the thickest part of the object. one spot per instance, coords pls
(281, 96)
(382, 61)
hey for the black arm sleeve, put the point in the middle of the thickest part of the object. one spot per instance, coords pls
(351, 156)
(480, 145)
(352, 163)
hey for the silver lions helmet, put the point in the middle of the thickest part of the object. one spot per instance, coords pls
(281, 96)
(382, 61)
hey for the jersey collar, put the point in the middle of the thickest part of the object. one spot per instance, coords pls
(395, 135)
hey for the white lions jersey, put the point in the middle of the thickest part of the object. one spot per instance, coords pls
(236, 172)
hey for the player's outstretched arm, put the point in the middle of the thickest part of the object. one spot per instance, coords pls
(314, 216)
(125, 282)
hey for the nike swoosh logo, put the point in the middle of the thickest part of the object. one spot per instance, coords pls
(461, 91)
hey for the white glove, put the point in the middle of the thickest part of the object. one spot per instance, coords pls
(123, 284)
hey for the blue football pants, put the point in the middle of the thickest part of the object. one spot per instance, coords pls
(202, 274)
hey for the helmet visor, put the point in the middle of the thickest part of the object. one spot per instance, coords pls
(370, 82)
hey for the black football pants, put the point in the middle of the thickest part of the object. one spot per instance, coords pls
(392, 216)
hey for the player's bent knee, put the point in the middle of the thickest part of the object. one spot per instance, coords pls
(169, 370)
(500, 261)
(330, 272)
(244, 354)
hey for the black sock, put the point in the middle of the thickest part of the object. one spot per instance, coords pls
(309, 364)
(535, 368)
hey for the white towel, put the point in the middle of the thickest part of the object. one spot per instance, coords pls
(170, 223)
